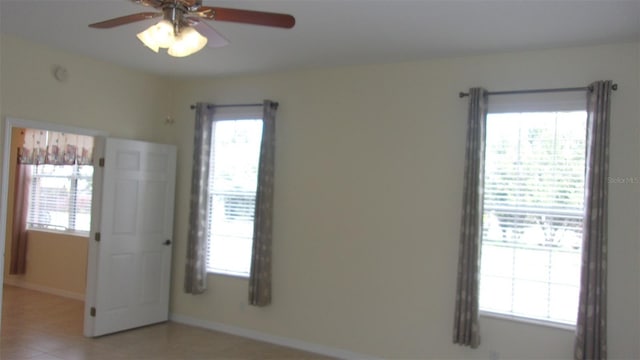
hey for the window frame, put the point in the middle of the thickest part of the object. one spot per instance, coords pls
(221, 115)
(534, 104)
(73, 197)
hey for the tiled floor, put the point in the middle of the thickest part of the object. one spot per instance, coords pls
(40, 326)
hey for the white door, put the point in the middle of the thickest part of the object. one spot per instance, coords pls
(129, 263)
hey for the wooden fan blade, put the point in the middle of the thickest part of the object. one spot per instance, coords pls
(123, 20)
(247, 17)
(215, 39)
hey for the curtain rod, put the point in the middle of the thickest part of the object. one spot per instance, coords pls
(229, 105)
(537, 91)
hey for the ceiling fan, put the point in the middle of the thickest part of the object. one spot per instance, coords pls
(183, 29)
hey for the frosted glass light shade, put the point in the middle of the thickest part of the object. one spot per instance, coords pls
(188, 42)
(164, 34)
(148, 40)
(160, 35)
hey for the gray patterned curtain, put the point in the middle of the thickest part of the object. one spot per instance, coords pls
(195, 281)
(591, 328)
(19, 233)
(260, 276)
(466, 331)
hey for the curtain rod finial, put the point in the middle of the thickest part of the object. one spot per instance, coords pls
(462, 94)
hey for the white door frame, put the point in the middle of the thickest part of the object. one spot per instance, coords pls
(11, 123)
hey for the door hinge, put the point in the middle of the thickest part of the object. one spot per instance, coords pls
(101, 162)
(97, 236)
(92, 312)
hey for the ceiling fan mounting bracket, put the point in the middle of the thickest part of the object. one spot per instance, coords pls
(174, 13)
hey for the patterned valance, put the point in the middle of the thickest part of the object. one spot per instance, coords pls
(55, 148)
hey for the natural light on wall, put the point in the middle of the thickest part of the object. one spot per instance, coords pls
(533, 215)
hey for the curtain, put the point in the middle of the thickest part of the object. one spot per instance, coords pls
(465, 328)
(196, 267)
(260, 275)
(18, 261)
(591, 328)
(55, 148)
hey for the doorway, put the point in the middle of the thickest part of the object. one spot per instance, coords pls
(64, 245)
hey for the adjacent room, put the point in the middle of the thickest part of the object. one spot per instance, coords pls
(320, 179)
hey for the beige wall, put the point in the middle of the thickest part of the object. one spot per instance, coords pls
(368, 179)
(55, 263)
(369, 175)
(638, 216)
(97, 95)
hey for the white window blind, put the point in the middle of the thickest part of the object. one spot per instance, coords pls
(533, 214)
(235, 153)
(60, 197)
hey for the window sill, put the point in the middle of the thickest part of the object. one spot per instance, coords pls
(546, 323)
(61, 232)
(228, 274)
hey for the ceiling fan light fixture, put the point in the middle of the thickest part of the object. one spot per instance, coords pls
(164, 34)
(146, 37)
(188, 42)
(160, 35)
(183, 30)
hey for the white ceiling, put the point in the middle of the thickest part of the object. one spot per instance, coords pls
(331, 32)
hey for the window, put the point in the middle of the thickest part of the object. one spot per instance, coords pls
(233, 177)
(60, 197)
(533, 214)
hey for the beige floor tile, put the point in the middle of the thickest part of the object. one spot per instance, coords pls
(45, 342)
(19, 352)
(41, 326)
(259, 350)
(88, 351)
(45, 357)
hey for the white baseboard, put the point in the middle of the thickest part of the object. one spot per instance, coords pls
(266, 337)
(44, 289)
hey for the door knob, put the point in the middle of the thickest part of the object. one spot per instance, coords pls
(167, 242)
